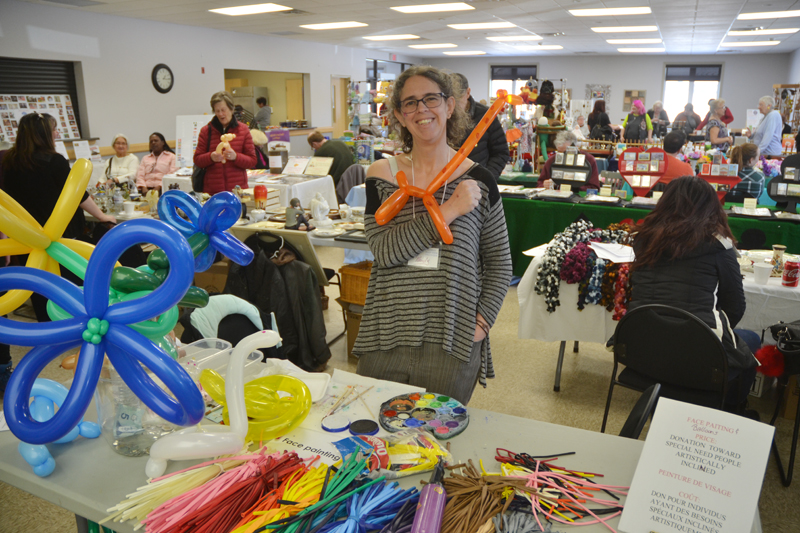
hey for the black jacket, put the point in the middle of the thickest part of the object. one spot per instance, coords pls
(706, 283)
(491, 152)
(291, 291)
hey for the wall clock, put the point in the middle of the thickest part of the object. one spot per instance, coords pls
(163, 79)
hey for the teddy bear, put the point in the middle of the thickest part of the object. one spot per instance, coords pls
(225, 143)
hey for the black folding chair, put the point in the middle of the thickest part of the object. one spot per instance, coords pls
(641, 412)
(663, 344)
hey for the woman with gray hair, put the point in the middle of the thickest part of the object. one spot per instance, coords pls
(659, 118)
(564, 140)
(717, 132)
(767, 134)
(429, 304)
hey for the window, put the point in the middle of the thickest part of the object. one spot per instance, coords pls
(380, 70)
(510, 78)
(695, 84)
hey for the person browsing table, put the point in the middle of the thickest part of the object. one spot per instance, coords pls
(430, 305)
(767, 134)
(676, 168)
(228, 168)
(160, 161)
(717, 132)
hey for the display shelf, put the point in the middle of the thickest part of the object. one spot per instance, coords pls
(632, 167)
(722, 179)
(570, 168)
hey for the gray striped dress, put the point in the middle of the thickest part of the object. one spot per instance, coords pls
(407, 306)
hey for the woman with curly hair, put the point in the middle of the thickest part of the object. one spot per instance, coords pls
(685, 257)
(430, 305)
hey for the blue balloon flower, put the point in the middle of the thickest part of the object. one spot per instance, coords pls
(100, 329)
(213, 219)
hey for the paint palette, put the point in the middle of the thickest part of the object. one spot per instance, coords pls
(443, 416)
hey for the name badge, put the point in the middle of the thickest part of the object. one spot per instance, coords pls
(428, 259)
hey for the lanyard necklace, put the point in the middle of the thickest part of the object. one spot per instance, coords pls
(413, 198)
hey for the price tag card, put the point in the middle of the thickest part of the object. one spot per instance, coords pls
(605, 191)
(700, 470)
(566, 187)
(657, 194)
(750, 203)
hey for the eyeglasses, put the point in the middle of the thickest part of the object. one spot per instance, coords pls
(430, 100)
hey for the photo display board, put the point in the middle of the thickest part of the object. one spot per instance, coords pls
(15, 106)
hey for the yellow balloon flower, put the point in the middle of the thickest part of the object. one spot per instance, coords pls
(27, 236)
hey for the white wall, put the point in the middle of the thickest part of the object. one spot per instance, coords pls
(745, 78)
(794, 67)
(117, 56)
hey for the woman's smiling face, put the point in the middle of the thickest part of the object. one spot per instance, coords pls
(424, 123)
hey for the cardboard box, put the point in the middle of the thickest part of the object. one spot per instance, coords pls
(790, 396)
(213, 280)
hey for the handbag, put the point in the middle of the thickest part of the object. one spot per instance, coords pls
(199, 173)
(787, 338)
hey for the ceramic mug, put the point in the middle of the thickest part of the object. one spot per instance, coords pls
(129, 207)
(344, 211)
(257, 215)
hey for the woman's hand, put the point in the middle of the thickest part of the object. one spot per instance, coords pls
(216, 157)
(143, 190)
(464, 199)
(230, 155)
(481, 329)
(547, 184)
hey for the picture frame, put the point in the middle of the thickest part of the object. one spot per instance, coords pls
(630, 96)
(654, 166)
(715, 169)
(570, 160)
(657, 156)
(580, 176)
(629, 156)
(559, 158)
(557, 174)
(569, 176)
(644, 156)
(580, 160)
(643, 167)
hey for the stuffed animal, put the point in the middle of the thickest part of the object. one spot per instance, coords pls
(225, 144)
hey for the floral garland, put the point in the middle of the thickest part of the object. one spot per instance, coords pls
(622, 292)
(569, 258)
(607, 288)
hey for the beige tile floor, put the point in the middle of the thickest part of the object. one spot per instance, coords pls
(523, 387)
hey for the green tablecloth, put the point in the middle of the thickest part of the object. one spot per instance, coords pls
(534, 222)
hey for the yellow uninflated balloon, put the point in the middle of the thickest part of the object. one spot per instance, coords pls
(275, 404)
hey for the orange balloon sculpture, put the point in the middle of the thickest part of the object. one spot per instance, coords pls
(398, 199)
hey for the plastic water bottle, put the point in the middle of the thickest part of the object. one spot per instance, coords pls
(118, 201)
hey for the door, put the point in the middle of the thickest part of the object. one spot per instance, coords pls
(294, 100)
(339, 115)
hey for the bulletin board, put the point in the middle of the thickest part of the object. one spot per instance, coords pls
(630, 96)
(187, 129)
(15, 106)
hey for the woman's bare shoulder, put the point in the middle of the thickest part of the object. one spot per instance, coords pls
(380, 169)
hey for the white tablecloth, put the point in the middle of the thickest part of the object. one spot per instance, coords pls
(769, 304)
(303, 190)
(766, 305)
(567, 323)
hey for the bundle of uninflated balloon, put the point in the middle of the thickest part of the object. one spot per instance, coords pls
(570, 259)
(278, 492)
(123, 313)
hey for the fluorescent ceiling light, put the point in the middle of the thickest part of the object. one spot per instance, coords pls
(755, 33)
(640, 50)
(426, 46)
(750, 43)
(333, 25)
(250, 10)
(633, 41)
(434, 8)
(769, 15)
(464, 53)
(391, 37)
(624, 29)
(482, 26)
(610, 12)
(529, 48)
(515, 38)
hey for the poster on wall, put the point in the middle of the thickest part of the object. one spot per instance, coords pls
(632, 96)
(187, 130)
(15, 106)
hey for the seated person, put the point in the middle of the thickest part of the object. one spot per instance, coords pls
(564, 140)
(753, 180)
(160, 161)
(676, 168)
(694, 267)
(122, 166)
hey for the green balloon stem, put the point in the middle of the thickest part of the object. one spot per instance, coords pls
(68, 259)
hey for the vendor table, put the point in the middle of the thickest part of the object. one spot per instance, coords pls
(90, 477)
(304, 190)
(768, 304)
(534, 222)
